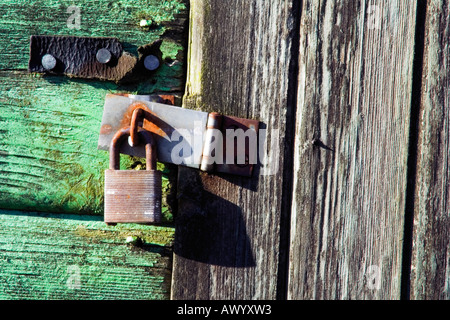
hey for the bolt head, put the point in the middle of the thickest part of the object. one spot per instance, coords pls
(48, 62)
(133, 240)
(145, 23)
(103, 56)
(151, 62)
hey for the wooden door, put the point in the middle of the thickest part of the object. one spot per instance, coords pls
(350, 199)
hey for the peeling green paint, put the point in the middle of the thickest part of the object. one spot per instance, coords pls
(42, 254)
(22, 18)
(49, 124)
(49, 161)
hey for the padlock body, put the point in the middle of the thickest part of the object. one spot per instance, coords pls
(132, 196)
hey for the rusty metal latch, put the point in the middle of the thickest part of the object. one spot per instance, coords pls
(207, 141)
(92, 58)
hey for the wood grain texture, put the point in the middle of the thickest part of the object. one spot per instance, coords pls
(228, 228)
(430, 272)
(42, 255)
(49, 161)
(49, 125)
(351, 149)
(99, 18)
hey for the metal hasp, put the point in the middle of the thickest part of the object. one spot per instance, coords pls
(206, 141)
(92, 58)
(133, 196)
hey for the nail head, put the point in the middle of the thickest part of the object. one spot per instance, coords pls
(151, 62)
(48, 61)
(103, 56)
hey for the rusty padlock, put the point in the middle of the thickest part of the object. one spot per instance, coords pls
(132, 196)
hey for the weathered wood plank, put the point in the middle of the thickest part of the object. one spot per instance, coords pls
(49, 161)
(228, 228)
(57, 256)
(49, 125)
(49, 129)
(351, 149)
(99, 18)
(430, 273)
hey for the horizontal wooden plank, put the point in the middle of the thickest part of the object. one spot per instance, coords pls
(430, 270)
(49, 161)
(100, 18)
(351, 149)
(57, 256)
(49, 125)
(49, 130)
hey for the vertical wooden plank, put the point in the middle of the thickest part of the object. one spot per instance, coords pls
(430, 273)
(227, 234)
(351, 149)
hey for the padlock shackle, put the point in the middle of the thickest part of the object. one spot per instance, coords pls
(117, 140)
(139, 114)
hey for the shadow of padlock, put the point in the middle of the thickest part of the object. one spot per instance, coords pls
(132, 196)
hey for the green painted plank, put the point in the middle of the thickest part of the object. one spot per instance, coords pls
(49, 160)
(48, 144)
(49, 124)
(57, 256)
(21, 18)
